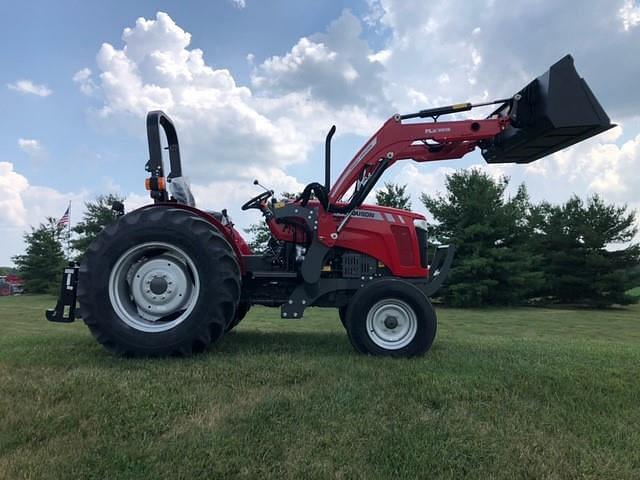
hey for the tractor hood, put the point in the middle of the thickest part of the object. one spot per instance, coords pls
(554, 111)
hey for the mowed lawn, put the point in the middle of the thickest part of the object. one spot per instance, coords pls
(504, 393)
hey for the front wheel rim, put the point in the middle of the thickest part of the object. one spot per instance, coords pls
(391, 324)
(153, 287)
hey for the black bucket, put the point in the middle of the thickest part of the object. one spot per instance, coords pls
(554, 111)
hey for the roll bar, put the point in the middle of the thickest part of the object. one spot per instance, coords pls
(154, 166)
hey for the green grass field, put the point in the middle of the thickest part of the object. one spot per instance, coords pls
(504, 393)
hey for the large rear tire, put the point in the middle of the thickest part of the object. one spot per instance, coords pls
(241, 312)
(160, 281)
(391, 317)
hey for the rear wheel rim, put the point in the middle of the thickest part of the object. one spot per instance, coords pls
(391, 324)
(154, 286)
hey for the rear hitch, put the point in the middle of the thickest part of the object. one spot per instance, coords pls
(65, 311)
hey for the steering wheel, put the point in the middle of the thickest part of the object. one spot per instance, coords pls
(256, 201)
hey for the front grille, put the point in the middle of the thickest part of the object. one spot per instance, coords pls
(403, 242)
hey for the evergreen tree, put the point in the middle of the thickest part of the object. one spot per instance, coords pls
(260, 235)
(98, 214)
(393, 195)
(491, 233)
(576, 239)
(43, 261)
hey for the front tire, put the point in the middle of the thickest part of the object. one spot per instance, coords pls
(342, 313)
(391, 317)
(160, 281)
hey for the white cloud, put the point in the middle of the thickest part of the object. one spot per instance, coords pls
(222, 124)
(604, 167)
(23, 205)
(219, 124)
(230, 133)
(336, 67)
(483, 61)
(629, 13)
(27, 86)
(135, 200)
(30, 146)
(12, 186)
(380, 56)
(239, 3)
(85, 82)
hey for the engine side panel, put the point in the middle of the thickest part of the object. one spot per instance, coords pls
(387, 234)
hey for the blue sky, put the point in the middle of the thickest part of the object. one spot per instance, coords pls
(254, 85)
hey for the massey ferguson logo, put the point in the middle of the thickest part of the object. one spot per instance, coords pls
(362, 213)
(437, 130)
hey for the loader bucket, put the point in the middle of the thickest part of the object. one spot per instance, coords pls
(554, 111)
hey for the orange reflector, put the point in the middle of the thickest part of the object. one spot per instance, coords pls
(155, 183)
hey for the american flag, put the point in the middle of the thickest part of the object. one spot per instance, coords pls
(64, 219)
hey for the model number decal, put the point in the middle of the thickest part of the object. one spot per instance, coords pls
(437, 130)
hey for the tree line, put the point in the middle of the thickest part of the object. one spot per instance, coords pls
(49, 247)
(510, 251)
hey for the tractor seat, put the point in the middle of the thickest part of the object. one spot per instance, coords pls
(181, 191)
(217, 215)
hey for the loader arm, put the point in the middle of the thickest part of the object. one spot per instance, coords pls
(421, 142)
(554, 111)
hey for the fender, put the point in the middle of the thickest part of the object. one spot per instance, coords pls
(231, 235)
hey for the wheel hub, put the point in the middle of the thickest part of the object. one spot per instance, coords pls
(391, 324)
(158, 285)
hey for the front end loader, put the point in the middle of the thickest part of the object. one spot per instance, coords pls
(169, 278)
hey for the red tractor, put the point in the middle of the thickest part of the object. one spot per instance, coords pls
(5, 288)
(170, 278)
(11, 285)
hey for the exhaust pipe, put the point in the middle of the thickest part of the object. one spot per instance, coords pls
(554, 111)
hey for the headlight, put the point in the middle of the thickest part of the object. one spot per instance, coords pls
(421, 224)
